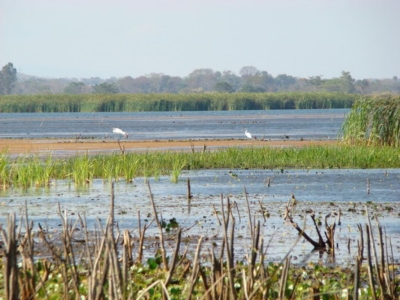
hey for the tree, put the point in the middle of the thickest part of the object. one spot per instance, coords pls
(314, 82)
(283, 81)
(362, 85)
(74, 88)
(223, 87)
(248, 71)
(8, 78)
(105, 88)
(347, 82)
(250, 88)
(201, 80)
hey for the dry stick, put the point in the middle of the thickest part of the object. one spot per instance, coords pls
(141, 238)
(390, 274)
(69, 256)
(112, 200)
(204, 280)
(249, 213)
(174, 257)
(115, 273)
(192, 146)
(27, 250)
(382, 250)
(86, 240)
(253, 256)
(216, 214)
(230, 267)
(262, 210)
(374, 249)
(232, 238)
(121, 147)
(189, 194)
(126, 257)
(237, 209)
(143, 293)
(320, 239)
(11, 271)
(216, 274)
(284, 276)
(356, 278)
(369, 258)
(246, 294)
(163, 254)
(361, 243)
(195, 269)
(385, 270)
(96, 284)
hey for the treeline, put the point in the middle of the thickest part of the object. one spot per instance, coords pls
(249, 80)
(173, 102)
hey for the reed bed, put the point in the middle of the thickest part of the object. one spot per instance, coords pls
(104, 263)
(27, 171)
(173, 102)
(374, 121)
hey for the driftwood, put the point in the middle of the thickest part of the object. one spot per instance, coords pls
(329, 233)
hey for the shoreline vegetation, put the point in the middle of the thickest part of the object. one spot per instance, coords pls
(174, 102)
(32, 169)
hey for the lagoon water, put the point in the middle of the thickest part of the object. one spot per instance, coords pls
(323, 191)
(272, 124)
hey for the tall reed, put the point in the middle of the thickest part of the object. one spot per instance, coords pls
(374, 121)
(25, 171)
(173, 102)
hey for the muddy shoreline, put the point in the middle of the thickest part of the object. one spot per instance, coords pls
(35, 146)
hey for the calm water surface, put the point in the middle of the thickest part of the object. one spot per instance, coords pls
(271, 124)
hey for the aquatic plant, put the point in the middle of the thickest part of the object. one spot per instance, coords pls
(177, 167)
(373, 121)
(173, 102)
(107, 264)
(26, 171)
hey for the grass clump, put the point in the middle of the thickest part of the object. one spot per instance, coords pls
(374, 121)
(26, 171)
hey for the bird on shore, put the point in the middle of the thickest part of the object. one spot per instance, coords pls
(120, 131)
(248, 134)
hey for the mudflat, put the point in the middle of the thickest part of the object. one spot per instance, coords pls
(35, 146)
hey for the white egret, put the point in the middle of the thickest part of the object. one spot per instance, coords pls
(248, 134)
(119, 131)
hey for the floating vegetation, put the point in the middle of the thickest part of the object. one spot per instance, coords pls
(105, 263)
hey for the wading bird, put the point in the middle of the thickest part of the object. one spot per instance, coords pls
(248, 134)
(119, 131)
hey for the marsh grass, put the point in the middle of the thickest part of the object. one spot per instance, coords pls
(373, 121)
(107, 264)
(173, 102)
(26, 171)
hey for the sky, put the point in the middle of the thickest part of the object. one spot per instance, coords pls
(118, 38)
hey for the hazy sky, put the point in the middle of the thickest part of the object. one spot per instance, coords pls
(105, 38)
